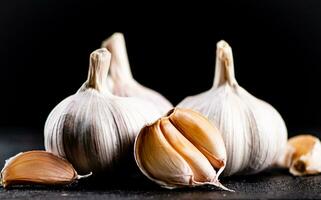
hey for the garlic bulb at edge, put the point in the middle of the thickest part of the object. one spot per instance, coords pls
(254, 133)
(302, 155)
(93, 129)
(121, 79)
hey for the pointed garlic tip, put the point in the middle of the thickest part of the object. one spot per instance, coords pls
(303, 155)
(120, 68)
(224, 69)
(224, 52)
(37, 167)
(115, 37)
(98, 69)
(84, 176)
(223, 45)
(182, 149)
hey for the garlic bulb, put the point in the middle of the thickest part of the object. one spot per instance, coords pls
(94, 129)
(253, 131)
(181, 149)
(121, 79)
(302, 155)
(38, 167)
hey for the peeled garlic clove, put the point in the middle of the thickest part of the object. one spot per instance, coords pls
(38, 167)
(167, 156)
(254, 133)
(121, 79)
(302, 155)
(93, 129)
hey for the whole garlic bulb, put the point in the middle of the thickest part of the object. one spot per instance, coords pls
(121, 79)
(93, 129)
(254, 133)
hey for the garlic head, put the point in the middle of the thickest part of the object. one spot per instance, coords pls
(253, 131)
(93, 129)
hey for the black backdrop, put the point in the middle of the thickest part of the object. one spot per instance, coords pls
(44, 48)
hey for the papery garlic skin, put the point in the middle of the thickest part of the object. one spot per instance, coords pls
(181, 149)
(121, 80)
(94, 129)
(253, 131)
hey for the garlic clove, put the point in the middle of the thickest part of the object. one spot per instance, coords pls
(120, 77)
(158, 160)
(167, 156)
(38, 167)
(201, 167)
(254, 133)
(196, 129)
(302, 155)
(95, 130)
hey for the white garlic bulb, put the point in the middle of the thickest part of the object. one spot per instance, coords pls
(94, 129)
(121, 79)
(253, 131)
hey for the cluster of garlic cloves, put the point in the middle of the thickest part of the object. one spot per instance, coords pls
(181, 149)
(93, 129)
(253, 131)
(121, 79)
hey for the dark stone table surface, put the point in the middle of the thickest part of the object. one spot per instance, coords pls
(271, 184)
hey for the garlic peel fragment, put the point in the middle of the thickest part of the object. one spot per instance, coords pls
(168, 153)
(121, 80)
(38, 167)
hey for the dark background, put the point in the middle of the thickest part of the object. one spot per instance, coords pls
(44, 49)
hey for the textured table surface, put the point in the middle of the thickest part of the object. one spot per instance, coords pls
(272, 184)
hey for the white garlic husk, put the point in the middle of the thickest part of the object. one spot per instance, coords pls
(94, 129)
(254, 133)
(120, 77)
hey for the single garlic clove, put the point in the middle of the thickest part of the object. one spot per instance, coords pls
(158, 160)
(302, 155)
(196, 129)
(254, 133)
(168, 153)
(38, 167)
(201, 167)
(120, 77)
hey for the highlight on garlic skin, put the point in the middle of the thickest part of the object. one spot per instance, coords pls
(120, 77)
(253, 131)
(38, 167)
(93, 129)
(181, 149)
(302, 155)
